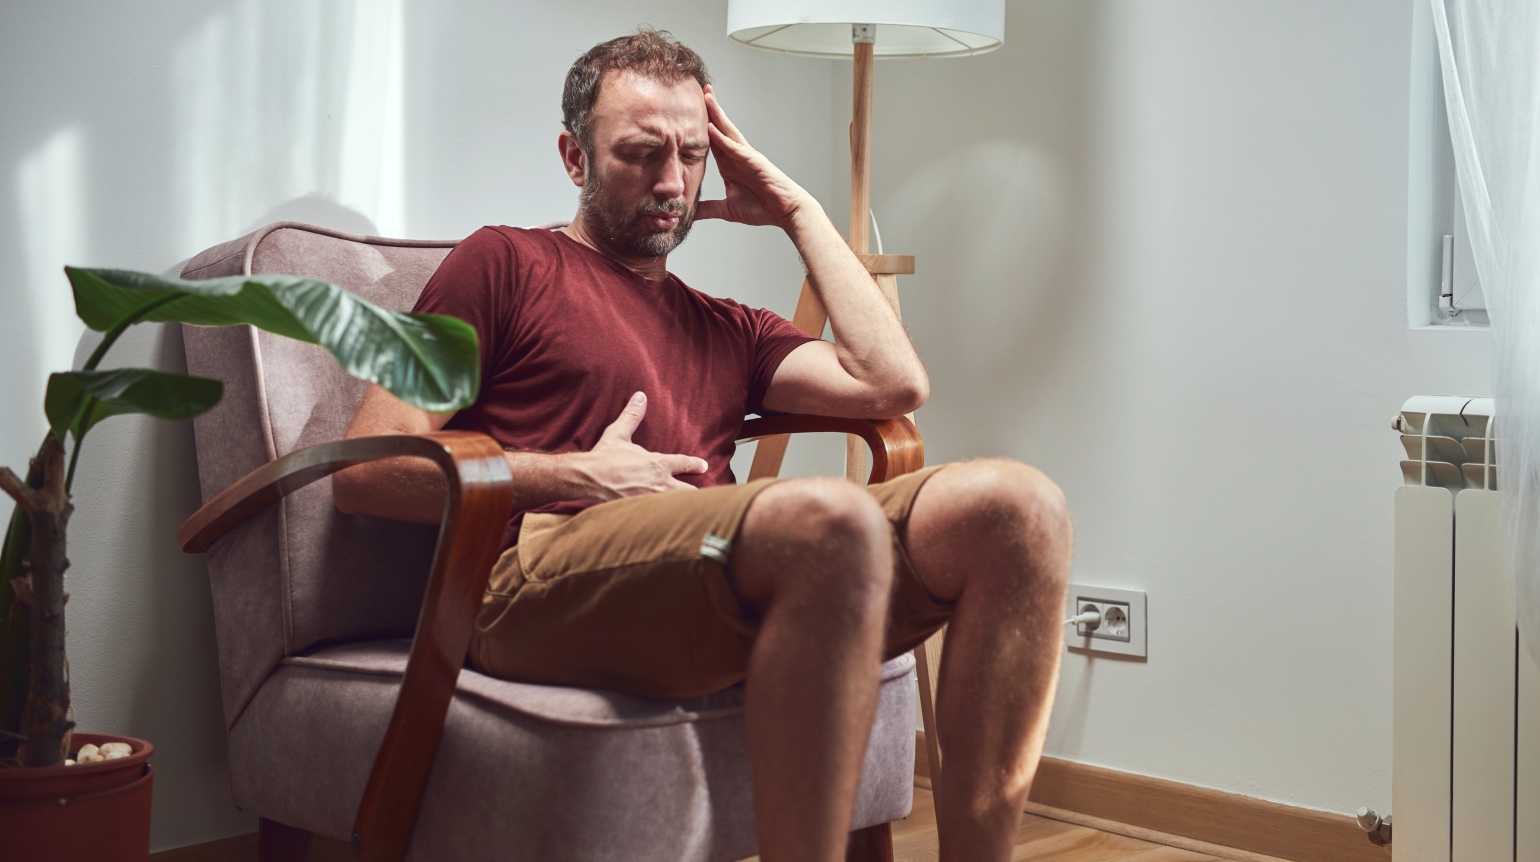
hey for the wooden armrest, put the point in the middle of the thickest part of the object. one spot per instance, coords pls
(895, 443)
(479, 501)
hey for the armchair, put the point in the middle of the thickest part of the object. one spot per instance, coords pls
(342, 638)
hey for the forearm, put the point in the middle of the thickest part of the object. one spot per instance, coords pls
(540, 478)
(869, 338)
(413, 489)
(404, 489)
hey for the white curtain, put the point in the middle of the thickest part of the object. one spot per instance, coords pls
(1489, 51)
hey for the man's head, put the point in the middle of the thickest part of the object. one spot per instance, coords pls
(636, 142)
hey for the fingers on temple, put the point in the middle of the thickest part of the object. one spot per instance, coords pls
(719, 117)
(731, 155)
(720, 140)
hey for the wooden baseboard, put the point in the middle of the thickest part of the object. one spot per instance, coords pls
(243, 848)
(1173, 813)
(223, 850)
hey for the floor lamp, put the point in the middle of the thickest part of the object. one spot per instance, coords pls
(865, 30)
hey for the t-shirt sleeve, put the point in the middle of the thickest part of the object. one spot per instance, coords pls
(472, 284)
(775, 337)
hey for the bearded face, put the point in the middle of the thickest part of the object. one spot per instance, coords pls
(625, 225)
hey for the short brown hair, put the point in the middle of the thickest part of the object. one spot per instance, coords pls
(651, 53)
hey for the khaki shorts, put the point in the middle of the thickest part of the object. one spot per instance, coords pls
(633, 595)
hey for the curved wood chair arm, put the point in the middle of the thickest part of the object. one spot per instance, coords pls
(895, 443)
(479, 501)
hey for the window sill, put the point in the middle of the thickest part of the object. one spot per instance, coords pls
(1452, 327)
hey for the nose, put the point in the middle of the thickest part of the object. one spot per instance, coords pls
(670, 181)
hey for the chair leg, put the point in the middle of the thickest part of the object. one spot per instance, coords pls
(872, 844)
(278, 842)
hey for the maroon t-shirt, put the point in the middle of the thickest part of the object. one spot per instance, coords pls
(567, 335)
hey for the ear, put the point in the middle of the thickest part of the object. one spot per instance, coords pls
(573, 158)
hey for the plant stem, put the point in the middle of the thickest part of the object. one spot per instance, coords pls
(85, 421)
(45, 717)
(119, 327)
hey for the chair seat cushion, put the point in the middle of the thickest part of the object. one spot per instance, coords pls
(571, 707)
(546, 773)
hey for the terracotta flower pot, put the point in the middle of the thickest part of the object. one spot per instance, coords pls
(89, 812)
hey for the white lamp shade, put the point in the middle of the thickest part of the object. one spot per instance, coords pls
(905, 28)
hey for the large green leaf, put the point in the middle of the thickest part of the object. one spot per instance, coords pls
(77, 400)
(427, 360)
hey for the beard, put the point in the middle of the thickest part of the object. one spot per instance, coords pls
(619, 222)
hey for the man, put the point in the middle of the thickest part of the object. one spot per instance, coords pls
(635, 564)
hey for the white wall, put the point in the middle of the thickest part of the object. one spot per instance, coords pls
(136, 136)
(1162, 254)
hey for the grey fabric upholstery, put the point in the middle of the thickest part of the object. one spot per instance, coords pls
(534, 772)
(313, 574)
(311, 608)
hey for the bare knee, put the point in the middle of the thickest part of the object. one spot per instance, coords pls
(1010, 495)
(815, 536)
(995, 519)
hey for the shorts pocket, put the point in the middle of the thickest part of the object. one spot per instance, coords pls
(534, 532)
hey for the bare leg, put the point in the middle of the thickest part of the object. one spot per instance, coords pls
(994, 537)
(813, 560)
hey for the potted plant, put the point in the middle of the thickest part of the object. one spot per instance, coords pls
(427, 360)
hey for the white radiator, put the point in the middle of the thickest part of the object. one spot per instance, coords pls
(1466, 759)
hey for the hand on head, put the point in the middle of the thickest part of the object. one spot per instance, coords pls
(757, 192)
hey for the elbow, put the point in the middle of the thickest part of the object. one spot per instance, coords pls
(910, 395)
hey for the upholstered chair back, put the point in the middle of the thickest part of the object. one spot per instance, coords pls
(301, 573)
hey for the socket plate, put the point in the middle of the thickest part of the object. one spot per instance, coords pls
(1130, 641)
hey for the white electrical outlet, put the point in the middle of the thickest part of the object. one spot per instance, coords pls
(1122, 627)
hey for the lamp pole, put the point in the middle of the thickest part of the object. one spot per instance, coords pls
(863, 35)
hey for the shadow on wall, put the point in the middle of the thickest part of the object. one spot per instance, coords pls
(125, 162)
(993, 216)
(284, 98)
(315, 209)
(982, 172)
(52, 228)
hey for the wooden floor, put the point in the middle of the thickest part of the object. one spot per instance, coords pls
(1039, 839)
